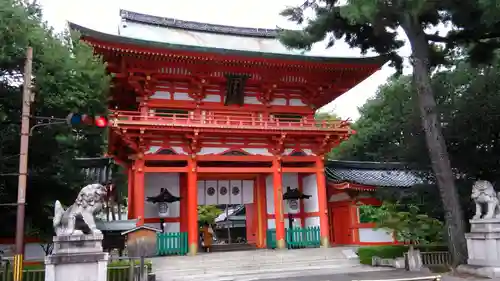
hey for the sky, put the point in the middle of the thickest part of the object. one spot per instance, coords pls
(103, 15)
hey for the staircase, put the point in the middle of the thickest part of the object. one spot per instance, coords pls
(258, 264)
(233, 247)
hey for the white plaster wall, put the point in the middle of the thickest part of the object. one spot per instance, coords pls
(297, 223)
(169, 226)
(310, 187)
(153, 183)
(32, 251)
(311, 221)
(375, 235)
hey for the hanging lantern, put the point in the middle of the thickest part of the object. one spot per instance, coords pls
(293, 206)
(162, 209)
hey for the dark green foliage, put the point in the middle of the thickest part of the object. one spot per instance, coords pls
(66, 77)
(407, 221)
(373, 24)
(468, 99)
(389, 252)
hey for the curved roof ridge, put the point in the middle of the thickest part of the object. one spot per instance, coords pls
(368, 165)
(198, 26)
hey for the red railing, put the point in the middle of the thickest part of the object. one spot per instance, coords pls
(237, 121)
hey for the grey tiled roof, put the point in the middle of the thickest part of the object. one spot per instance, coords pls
(372, 174)
(198, 26)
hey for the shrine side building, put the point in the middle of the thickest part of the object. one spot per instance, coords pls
(225, 115)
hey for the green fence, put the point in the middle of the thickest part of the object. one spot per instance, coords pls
(115, 273)
(295, 238)
(174, 243)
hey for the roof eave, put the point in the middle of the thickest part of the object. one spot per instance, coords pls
(161, 48)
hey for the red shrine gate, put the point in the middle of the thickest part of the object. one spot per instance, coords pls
(187, 117)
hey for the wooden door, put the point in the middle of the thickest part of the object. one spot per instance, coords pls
(340, 222)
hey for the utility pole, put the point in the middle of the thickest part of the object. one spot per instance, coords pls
(23, 166)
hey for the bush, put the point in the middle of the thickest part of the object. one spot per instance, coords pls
(120, 263)
(393, 251)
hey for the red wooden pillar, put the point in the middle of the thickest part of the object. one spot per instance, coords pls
(130, 193)
(278, 204)
(192, 206)
(183, 202)
(322, 202)
(139, 197)
(260, 199)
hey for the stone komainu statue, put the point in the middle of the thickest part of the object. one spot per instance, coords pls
(88, 203)
(483, 193)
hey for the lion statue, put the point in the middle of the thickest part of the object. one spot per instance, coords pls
(483, 193)
(89, 202)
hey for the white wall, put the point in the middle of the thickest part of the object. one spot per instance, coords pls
(153, 183)
(288, 179)
(375, 235)
(169, 226)
(310, 187)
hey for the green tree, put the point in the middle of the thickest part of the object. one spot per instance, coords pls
(66, 77)
(469, 103)
(407, 222)
(373, 25)
(208, 213)
(328, 116)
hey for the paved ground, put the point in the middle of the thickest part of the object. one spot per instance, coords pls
(376, 275)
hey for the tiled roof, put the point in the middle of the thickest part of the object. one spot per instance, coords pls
(372, 174)
(163, 48)
(198, 26)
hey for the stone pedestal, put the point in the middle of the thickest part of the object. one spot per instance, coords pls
(77, 258)
(483, 245)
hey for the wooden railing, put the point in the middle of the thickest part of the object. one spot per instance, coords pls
(243, 121)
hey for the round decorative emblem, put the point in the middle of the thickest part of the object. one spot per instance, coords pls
(223, 190)
(235, 190)
(293, 204)
(210, 191)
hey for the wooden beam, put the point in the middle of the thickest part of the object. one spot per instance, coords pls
(299, 158)
(165, 169)
(235, 158)
(239, 170)
(163, 157)
(234, 176)
(299, 170)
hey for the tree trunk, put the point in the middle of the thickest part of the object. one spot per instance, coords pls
(436, 144)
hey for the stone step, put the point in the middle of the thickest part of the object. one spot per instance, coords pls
(232, 247)
(248, 264)
(248, 275)
(202, 268)
(258, 255)
(172, 264)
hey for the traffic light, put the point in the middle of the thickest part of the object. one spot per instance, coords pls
(75, 119)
